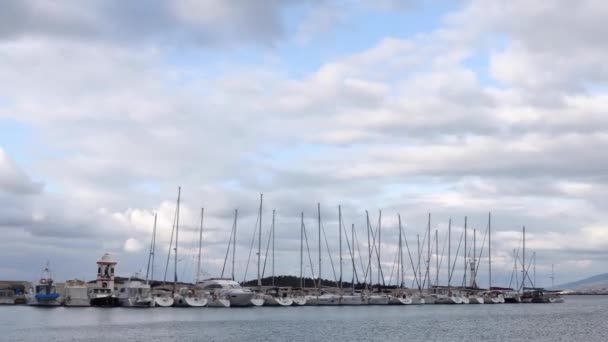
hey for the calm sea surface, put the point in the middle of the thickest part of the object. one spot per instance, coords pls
(581, 319)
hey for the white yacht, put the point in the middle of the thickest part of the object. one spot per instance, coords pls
(76, 293)
(135, 293)
(228, 288)
(493, 297)
(44, 292)
(7, 296)
(399, 299)
(377, 299)
(353, 298)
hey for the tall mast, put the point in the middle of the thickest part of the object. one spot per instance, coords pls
(179, 193)
(200, 247)
(474, 280)
(449, 251)
(436, 258)
(260, 241)
(369, 252)
(273, 247)
(236, 214)
(419, 268)
(340, 233)
(552, 277)
(151, 255)
(428, 260)
(466, 267)
(319, 226)
(534, 269)
(352, 239)
(489, 251)
(379, 260)
(301, 250)
(400, 258)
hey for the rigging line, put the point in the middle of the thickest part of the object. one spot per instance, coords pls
(170, 246)
(266, 255)
(352, 257)
(378, 253)
(356, 244)
(515, 255)
(331, 261)
(373, 248)
(257, 221)
(456, 257)
(228, 250)
(420, 253)
(483, 243)
(411, 260)
(390, 279)
(443, 251)
(312, 269)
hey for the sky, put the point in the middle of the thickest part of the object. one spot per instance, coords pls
(408, 107)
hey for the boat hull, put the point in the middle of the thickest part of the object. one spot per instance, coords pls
(476, 300)
(240, 299)
(378, 300)
(400, 301)
(218, 303)
(164, 302)
(107, 301)
(351, 300)
(299, 301)
(277, 301)
(77, 302)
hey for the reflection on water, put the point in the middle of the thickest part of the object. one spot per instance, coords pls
(579, 319)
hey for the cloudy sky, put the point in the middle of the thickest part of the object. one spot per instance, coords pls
(449, 107)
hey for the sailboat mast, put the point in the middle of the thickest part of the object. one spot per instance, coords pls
(273, 211)
(236, 214)
(200, 247)
(301, 250)
(319, 228)
(369, 253)
(465, 252)
(489, 251)
(151, 255)
(428, 260)
(340, 233)
(379, 260)
(260, 241)
(534, 269)
(179, 193)
(449, 250)
(400, 258)
(419, 269)
(352, 239)
(474, 280)
(436, 258)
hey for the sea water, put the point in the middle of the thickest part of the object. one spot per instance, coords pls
(580, 318)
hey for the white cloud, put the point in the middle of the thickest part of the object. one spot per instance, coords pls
(133, 245)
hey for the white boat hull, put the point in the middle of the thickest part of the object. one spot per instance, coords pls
(164, 302)
(7, 301)
(137, 302)
(400, 300)
(476, 300)
(218, 303)
(240, 299)
(299, 301)
(378, 300)
(323, 300)
(77, 302)
(277, 301)
(351, 300)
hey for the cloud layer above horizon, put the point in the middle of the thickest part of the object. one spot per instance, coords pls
(409, 107)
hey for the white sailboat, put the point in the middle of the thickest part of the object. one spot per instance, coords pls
(193, 297)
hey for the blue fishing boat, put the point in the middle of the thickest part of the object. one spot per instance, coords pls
(44, 292)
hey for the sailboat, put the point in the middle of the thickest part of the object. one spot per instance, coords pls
(321, 297)
(275, 296)
(193, 297)
(399, 296)
(491, 296)
(298, 296)
(44, 292)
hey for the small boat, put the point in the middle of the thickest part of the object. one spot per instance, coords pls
(7, 296)
(76, 293)
(277, 297)
(493, 297)
(400, 299)
(44, 292)
(190, 297)
(475, 299)
(136, 293)
(228, 288)
(104, 297)
(257, 299)
(162, 297)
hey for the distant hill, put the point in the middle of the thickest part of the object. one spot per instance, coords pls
(597, 283)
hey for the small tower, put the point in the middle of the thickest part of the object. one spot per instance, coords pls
(105, 272)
